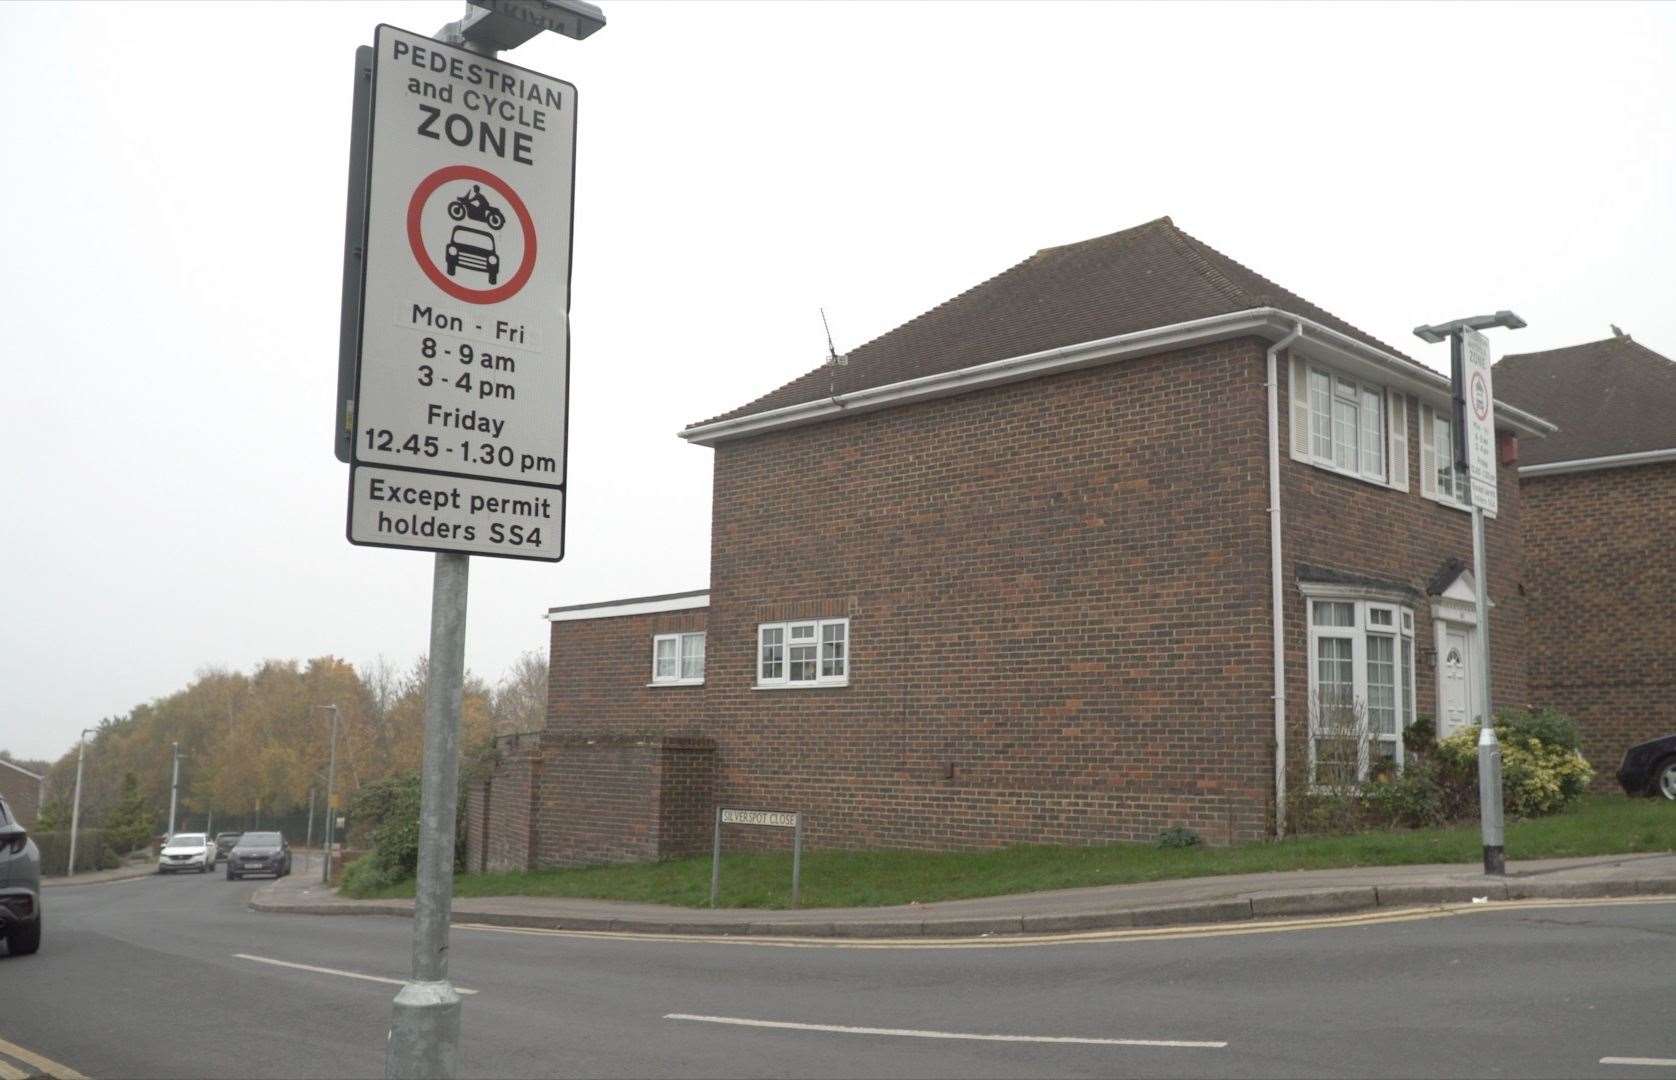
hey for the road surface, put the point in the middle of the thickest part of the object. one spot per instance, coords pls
(175, 977)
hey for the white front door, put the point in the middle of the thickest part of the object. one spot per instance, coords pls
(1454, 682)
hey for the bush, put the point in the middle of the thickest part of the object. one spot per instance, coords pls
(1547, 726)
(1537, 777)
(388, 814)
(367, 875)
(1178, 836)
(93, 850)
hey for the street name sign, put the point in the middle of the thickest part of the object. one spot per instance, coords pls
(1480, 420)
(462, 379)
(774, 818)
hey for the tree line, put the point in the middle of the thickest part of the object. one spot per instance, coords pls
(255, 747)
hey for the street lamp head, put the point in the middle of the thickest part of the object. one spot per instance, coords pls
(507, 24)
(1443, 331)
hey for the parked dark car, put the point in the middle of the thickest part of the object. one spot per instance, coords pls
(259, 853)
(1650, 768)
(224, 842)
(20, 886)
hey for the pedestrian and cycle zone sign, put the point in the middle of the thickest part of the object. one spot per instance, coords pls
(463, 370)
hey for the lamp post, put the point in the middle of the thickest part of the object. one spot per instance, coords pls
(1489, 749)
(174, 792)
(75, 805)
(331, 777)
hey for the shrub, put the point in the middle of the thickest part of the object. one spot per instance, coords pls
(388, 812)
(93, 850)
(1547, 726)
(1537, 777)
(1178, 836)
(1414, 799)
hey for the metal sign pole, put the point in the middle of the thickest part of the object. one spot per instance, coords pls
(797, 861)
(716, 860)
(1489, 748)
(425, 1030)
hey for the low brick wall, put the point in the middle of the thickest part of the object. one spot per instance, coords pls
(623, 798)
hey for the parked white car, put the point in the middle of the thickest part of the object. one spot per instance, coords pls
(187, 851)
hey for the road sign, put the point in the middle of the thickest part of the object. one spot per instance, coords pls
(397, 508)
(775, 818)
(1480, 420)
(463, 368)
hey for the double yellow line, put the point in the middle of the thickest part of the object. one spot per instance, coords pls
(40, 1065)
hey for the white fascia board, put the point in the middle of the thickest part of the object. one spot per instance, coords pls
(1268, 322)
(633, 607)
(1613, 461)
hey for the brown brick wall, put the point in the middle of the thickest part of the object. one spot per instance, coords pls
(1345, 524)
(599, 671)
(1601, 574)
(1059, 623)
(1054, 596)
(501, 827)
(23, 795)
(624, 798)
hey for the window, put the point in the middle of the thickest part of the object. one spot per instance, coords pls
(678, 659)
(1347, 429)
(1361, 682)
(813, 652)
(1450, 483)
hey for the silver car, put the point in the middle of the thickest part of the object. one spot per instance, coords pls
(20, 886)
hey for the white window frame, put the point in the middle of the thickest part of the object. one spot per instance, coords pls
(681, 655)
(1399, 629)
(1321, 447)
(796, 634)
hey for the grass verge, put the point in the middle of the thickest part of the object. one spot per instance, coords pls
(1597, 825)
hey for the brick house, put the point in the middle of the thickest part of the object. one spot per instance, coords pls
(23, 790)
(1599, 515)
(1031, 568)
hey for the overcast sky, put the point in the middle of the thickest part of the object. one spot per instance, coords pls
(173, 185)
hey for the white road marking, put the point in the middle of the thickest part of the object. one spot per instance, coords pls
(916, 1034)
(9, 1073)
(1663, 1063)
(334, 971)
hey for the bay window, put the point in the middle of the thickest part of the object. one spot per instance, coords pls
(1361, 687)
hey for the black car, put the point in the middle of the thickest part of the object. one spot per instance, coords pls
(224, 842)
(259, 853)
(1650, 768)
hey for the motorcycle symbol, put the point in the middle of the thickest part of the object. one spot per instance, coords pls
(473, 205)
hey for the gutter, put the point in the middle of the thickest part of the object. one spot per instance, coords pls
(1276, 593)
(1272, 323)
(1611, 461)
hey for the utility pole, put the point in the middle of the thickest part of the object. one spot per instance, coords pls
(1482, 408)
(331, 777)
(75, 806)
(310, 841)
(174, 792)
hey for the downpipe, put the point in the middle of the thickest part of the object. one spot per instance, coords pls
(1276, 594)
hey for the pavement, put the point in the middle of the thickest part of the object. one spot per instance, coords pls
(1190, 901)
(101, 877)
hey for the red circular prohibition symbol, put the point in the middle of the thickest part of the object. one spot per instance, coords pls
(1480, 396)
(416, 240)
